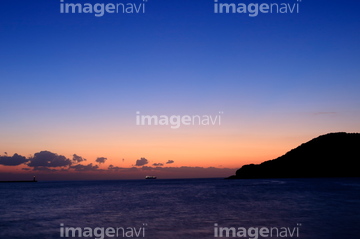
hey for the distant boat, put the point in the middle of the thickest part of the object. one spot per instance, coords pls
(150, 177)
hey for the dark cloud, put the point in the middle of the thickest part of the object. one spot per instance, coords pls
(44, 169)
(89, 167)
(158, 164)
(91, 171)
(48, 159)
(127, 170)
(188, 172)
(147, 168)
(170, 161)
(101, 160)
(113, 168)
(141, 162)
(12, 160)
(78, 159)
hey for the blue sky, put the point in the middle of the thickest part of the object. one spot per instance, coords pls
(66, 75)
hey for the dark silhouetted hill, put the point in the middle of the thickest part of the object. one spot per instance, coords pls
(330, 155)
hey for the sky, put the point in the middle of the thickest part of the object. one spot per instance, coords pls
(72, 84)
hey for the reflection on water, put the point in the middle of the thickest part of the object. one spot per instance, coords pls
(189, 208)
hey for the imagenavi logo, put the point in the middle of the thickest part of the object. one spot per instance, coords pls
(254, 9)
(102, 232)
(99, 9)
(257, 232)
(176, 121)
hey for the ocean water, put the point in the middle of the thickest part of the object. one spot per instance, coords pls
(183, 208)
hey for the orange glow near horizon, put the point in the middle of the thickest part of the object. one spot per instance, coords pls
(228, 146)
(193, 151)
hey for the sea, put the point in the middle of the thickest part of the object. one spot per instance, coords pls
(317, 208)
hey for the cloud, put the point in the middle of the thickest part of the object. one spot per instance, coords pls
(48, 159)
(12, 160)
(78, 159)
(147, 168)
(188, 172)
(170, 161)
(44, 169)
(113, 168)
(101, 160)
(158, 164)
(141, 162)
(89, 167)
(91, 171)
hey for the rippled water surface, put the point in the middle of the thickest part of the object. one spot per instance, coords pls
(188, 208)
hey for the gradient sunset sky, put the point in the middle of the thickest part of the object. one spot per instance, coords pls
(72, 84)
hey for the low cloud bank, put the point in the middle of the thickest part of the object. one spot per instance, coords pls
(52, 166)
